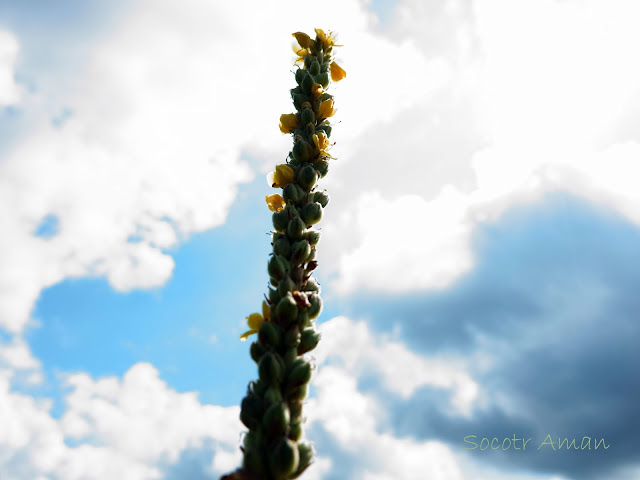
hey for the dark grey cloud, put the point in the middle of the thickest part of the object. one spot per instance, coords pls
(553, 298)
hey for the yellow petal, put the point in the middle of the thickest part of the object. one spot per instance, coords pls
(303, 39)
(275, 202)
(326, 110)
(255, 321)
(282, 176)
(288, 122)
(316, 90)
(266, 310)
(321, 141)
(337, 73)
(246, 334)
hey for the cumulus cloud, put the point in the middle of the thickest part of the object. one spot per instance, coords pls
(151, 147)
(545, 324)
(354, 421)
(135, 428)
(541, 113)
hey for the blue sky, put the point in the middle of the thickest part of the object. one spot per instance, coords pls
(479, 259)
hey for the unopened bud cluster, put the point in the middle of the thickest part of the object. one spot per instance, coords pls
(272, 408)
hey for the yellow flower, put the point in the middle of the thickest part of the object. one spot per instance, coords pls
(337, 73)
(255, 321)
(321, 141)
(316, 90)
(275, 202)
(281, 177)
(300, 52)
(326, 110)
(303, 39)
(326, 40)
(288, 122)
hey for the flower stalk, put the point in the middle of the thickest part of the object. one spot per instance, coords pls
(273, 448)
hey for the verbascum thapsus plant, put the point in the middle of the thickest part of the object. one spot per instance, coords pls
(272, 409)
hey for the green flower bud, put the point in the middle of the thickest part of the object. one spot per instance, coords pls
(311, 213)
(295, 229)
(313, 237)
(310, 129)
(311, 286)
(273, 395)
(291, 340)
(321, 197)
(307, 177)
(285, 286)
(251, 411)
(298, 374)
(299, 252)
(269, 334)
(305, 456)
(312, 255)
(280, 220)
(297, 274)
(276, 420)
(292, 193)
(303, 319)
(278, 266)
(302, 151)
(299, 99)
(291, 354)
(254, 462)
(251, 440)
(307, 61)
(300, 76)
(298, 393)
(325, 67)
(307, 83)
(322, 167)
(287, 309)
(308, 340)
(307, 116)
(274, 296)
(257, 351)
(295, 409)
(314, 68)
(295, 431)
(323, 79)
(284, 458)
(282, 246)
(316, 305)
(270, 369)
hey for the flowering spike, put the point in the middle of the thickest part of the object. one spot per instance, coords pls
(272, 409)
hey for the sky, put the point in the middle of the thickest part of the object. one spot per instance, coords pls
(479, 261)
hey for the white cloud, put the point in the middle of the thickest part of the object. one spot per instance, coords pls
(351, 418)
(10, 92)
(130, 429)
(354, 419)
(400, 370)
(550, 105)
(159, 118)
